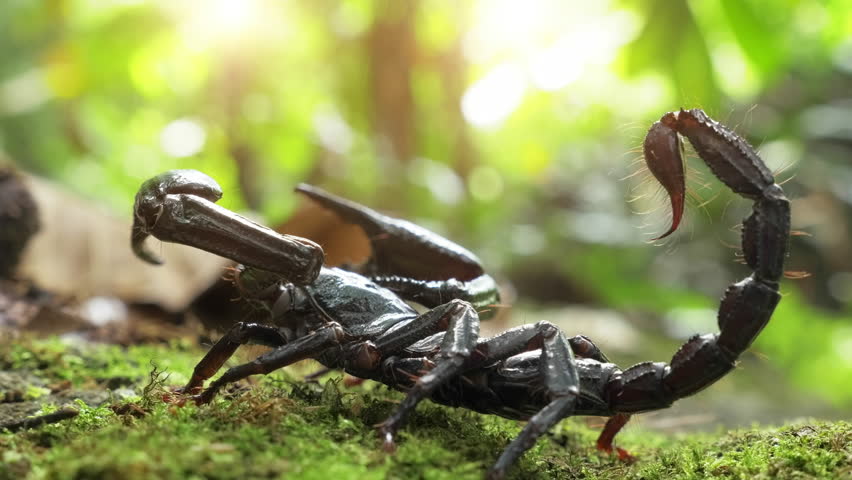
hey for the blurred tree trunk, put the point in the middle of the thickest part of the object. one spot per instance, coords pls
(232, 84)
(392, 50)
(452, 66)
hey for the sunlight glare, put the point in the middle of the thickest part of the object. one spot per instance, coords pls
(443, 182)
(485, 183)
(231, 16)
(495, 96)
(508, 26)
(545, 44)
(211, 24)
(739, 80)
(332, 131)
(595, 42)
(183, 137)
(551, 69)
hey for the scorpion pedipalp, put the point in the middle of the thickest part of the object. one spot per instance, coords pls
(392, 241)
(178, 206)
(440, 270)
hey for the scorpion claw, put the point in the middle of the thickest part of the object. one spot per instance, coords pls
(392, 241)
(178, 206)
(150, 203)
(439, 271)
(137, 243)
(187, 391)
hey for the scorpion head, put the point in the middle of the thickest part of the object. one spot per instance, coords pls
(286, 304)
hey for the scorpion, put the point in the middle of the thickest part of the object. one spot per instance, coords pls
(359, 318)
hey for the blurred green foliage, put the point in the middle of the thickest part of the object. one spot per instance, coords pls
(507, 125)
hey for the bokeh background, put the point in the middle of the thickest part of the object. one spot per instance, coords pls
(512, 127)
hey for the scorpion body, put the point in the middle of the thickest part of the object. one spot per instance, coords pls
(358, 319)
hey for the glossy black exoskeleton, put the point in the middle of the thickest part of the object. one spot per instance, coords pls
(358, 320)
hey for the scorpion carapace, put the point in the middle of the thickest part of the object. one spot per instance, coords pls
(358, 319)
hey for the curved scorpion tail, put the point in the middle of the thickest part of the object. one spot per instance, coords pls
(746, 305)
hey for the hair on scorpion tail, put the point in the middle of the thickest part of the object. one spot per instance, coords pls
(792, 274)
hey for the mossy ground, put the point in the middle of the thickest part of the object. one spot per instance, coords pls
(281, 427)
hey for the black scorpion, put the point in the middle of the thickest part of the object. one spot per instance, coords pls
(358, 320)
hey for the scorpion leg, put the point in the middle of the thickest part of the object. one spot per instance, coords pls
(559, 408)
(480, 292)
(441, 270)
(436, 320)
(309, 346)
(747, 305)
(178, 206)
(613, 425)
(405, 371)
(560, 377)
(240, 334)
(462, 332)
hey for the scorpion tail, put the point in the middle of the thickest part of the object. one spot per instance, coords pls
(747, 305)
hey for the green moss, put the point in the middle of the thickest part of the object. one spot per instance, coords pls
(282, 427)
(81, 363)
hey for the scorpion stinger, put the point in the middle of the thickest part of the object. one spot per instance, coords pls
(663, 155)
